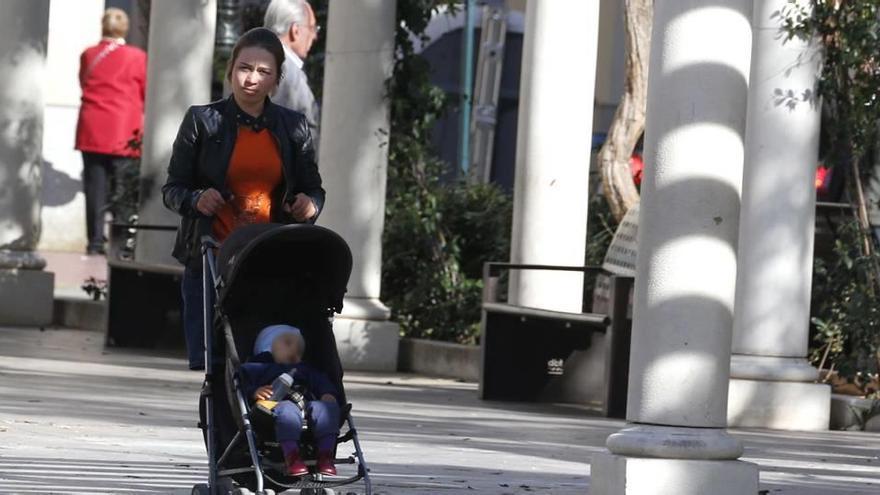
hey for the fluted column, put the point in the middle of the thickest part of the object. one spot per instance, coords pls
(25, 289)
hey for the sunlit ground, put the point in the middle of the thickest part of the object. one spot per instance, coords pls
(74, 419)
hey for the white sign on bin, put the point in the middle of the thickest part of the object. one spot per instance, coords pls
(621, 256)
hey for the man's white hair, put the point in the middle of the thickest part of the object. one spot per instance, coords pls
(282, 13)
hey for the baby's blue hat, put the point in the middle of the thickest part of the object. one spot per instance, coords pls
(272, 332)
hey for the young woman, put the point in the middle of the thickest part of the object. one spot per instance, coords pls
(236, 162)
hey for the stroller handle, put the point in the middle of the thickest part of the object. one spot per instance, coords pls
(208, 241)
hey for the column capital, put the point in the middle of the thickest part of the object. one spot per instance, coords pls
(670, 442)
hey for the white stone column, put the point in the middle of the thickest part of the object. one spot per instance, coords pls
(354, 160)
(686, 269)
(180, 54)
(554, 137)
(25, 289)
(772, 384)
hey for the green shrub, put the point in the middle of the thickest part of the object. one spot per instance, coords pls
(846, 313)
(846, 309)
(436, 238)
(437, 234)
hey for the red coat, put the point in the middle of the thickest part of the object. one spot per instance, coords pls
(113, 89)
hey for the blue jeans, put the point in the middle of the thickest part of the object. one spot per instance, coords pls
(323, 420)
(193, 329)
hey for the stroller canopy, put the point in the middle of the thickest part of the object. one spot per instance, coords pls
(303, 264)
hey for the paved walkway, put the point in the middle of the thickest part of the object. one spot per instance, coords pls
(75, 418)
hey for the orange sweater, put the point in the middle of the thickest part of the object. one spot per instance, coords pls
(254, 172)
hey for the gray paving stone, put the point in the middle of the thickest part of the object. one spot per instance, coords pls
(77, 419)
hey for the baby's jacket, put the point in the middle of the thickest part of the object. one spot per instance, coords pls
(262, 369)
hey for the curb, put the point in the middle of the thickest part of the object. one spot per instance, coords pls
(440, 359)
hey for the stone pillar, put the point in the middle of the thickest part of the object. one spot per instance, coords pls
(686, 270)
(553, 152)
(25, 289)
(772, 385)
(179, 65)
(354, 160)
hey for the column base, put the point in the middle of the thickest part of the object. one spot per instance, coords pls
(674, 442)
(26, 297)
(772, 368)
(364, 308)
(780, 405)
(367, 345)
(622, 475)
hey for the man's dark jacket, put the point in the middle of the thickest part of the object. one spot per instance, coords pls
(200, 159)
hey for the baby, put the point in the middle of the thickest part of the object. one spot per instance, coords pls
(279, 349)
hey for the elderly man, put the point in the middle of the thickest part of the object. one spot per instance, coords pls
(296, 26)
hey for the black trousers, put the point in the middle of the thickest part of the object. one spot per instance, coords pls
(102, 176)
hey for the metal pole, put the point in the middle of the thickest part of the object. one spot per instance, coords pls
(467, 86)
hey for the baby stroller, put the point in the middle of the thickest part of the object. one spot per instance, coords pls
(267, 274)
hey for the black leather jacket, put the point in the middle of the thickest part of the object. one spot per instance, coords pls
(200, 159)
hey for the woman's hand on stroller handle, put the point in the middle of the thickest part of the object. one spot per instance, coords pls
(301, 208)
(209, 201)
(328, 398)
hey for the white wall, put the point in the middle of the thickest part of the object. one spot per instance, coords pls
(73, 26)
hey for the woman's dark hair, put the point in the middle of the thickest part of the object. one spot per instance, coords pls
(261, 38)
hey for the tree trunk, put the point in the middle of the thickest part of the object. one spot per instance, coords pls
(861, 213)
(629, 119)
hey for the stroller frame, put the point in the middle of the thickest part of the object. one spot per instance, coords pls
(216, 470)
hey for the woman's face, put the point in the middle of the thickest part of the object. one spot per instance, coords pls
(254, 75)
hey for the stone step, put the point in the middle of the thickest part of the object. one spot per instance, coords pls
(79, 313)
(855, 413)
(439, 359)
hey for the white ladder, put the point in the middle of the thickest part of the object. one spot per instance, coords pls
(486, 89)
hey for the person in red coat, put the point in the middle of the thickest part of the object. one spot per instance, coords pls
(112, 76)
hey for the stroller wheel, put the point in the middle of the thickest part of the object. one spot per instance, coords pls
(201, 489)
